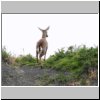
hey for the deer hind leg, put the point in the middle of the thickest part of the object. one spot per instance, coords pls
(41, 54)
(45, 54)
(37, 55)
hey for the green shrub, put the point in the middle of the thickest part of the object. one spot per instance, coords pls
(76, 60)
(25, 60)
(5, 55)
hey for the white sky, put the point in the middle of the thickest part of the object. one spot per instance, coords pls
(20, 31)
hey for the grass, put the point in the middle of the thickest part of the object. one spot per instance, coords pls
(81, 62)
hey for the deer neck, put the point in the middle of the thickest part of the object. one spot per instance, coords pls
(44, 36)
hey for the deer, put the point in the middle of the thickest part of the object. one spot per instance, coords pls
(42, 45)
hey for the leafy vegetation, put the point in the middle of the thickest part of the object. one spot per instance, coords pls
(25, 60)
(7, 57)
(5, 54)
(81, 62)
(18, 61)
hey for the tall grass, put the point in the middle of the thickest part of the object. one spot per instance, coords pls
(21, 60)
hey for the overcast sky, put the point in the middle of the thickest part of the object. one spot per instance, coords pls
(20, 31)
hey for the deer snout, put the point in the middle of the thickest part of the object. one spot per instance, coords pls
(46, 35)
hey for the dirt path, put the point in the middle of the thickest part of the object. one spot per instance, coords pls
(29, 76)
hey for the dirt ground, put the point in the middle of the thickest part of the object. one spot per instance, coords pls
(34, 76)
(28, 76)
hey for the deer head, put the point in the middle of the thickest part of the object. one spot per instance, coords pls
(44, 32)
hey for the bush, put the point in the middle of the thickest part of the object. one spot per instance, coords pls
(77, 60)
(5, 55)
(81, 62)
(25, 60)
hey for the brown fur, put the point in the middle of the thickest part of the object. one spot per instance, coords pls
(42, 45)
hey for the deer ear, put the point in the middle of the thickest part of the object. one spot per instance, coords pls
(47, 28)
(40, 29)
